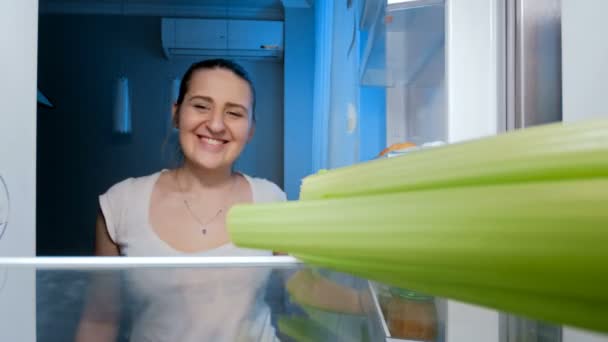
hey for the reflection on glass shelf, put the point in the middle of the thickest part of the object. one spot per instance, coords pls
(403, 40)
(406, 4)
(3, 272)
(408, 315)
(279, 299)
(202, 304)
(517, 329)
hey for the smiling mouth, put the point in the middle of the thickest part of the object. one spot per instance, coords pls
(212, 141)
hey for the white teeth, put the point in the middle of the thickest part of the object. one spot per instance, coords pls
(213, 141)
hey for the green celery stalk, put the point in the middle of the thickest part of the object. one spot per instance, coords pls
(543, 153)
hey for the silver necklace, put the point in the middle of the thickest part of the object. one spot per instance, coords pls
(203, 225)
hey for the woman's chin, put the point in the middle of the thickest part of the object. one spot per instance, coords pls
(210, 160)
(210, 163)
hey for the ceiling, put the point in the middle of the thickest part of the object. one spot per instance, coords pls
(258, 9)
(235, 3)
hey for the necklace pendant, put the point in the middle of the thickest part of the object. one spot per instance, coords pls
(204, 231)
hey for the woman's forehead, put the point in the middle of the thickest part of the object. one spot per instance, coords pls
(219, 82)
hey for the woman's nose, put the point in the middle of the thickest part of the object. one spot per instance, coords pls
(216, 123)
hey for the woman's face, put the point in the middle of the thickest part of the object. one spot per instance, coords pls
(214, 119)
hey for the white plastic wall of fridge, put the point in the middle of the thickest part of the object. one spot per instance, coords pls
(18, 305)
(575, 335)
(471, 323)
(475, 68)
(18, 33)
(475, 81)
(584, 74)
(584, 59)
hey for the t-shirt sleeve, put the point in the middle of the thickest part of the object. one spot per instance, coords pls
(270, 192)
(278, 195)
(113, 207)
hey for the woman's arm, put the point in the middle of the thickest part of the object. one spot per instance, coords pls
(104, 246)
(100, 316)
(314, 290)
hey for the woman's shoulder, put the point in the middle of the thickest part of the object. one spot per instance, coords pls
(265, 190)
(133, 184)
(123, 200)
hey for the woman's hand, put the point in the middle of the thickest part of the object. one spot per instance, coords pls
(309, 288)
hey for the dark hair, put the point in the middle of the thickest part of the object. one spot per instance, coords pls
(217, 63)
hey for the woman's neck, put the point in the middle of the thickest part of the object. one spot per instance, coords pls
(193, 177)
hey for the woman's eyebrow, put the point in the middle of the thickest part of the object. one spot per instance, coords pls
(201, 97)
(233, 104)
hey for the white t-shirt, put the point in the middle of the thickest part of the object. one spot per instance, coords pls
(182, 304)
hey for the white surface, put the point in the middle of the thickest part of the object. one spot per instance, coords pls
(218, 37)
(584, 59)
(17, 303)
(351, 118)
(474, 68)
(584, 76)
(415, 67)
(575, 335)
(136, 262)
(474, 48)
(396, 111)
(391, 2)
(471, 323)
(18, 34)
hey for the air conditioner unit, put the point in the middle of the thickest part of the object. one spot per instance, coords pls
(222, 37)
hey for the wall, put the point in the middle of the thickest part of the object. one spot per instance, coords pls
(299, 79)
(322, 83)
(344, 99)
(348, 118)
(372, 115)
(78, 155)
(372, 122)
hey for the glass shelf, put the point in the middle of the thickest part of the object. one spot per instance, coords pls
(186, 299)
(212, 299)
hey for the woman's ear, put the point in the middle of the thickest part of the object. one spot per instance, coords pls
(251, 131)
(175, 115)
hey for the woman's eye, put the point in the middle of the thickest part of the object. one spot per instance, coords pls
(201, 107)
(236, 114)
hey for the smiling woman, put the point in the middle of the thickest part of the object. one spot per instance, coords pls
(182, 211)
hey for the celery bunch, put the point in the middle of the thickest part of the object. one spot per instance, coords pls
(516, 222)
